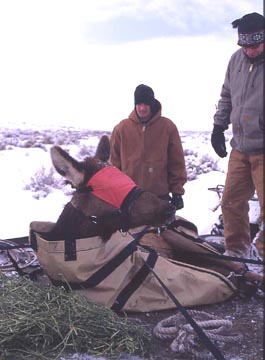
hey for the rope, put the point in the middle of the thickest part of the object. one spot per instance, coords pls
(185, 340)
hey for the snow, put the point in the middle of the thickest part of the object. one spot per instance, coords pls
(19, 207)
(199, 202)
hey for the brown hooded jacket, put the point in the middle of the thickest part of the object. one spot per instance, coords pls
(151, 154)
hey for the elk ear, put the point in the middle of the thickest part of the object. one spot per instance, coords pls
(66, 166)
(103, 149)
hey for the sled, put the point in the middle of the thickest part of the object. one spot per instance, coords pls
(114, 272)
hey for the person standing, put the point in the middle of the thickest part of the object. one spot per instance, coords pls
(147, 147)
(242, 105)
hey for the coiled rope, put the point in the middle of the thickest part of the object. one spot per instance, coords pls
(185, 339)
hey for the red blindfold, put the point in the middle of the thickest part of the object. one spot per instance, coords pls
(111, 185)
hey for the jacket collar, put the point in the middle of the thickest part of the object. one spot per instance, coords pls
(133, 116)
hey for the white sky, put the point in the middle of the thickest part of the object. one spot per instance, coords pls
(77, 63)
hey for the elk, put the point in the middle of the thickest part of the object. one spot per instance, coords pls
(105, 199)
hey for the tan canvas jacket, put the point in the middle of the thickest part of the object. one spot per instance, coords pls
(152, 155)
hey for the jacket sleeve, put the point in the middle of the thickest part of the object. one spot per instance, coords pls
(177, 174)
(115, 144)
(224, 108)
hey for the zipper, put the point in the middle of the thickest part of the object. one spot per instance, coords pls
(250, 68)
(143, 128)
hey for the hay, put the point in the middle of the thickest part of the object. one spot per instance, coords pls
(38, 322)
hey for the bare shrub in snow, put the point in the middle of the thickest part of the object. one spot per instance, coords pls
(39, 138)
(197, 165)
(43, 182)
(85, 151)
(2, 146)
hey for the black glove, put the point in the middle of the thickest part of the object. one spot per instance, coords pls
(218, 141)
(177, 201)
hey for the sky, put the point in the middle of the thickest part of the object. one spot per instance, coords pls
(77, 62)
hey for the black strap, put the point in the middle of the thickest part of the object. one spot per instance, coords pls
(199, 240)
(187, 236)
(135, 283)
(14, 243)
(107, 269)
(127, 205)
(186, 224)
(5, 246)
(104, 271)
(130, 198)
(69, 249)
(224, 257)
(212, 348)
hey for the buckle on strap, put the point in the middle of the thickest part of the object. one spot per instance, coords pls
(239, 274)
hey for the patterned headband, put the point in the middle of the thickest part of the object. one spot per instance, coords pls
(249, 39)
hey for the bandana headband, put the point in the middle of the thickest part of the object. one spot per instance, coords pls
(249, 39)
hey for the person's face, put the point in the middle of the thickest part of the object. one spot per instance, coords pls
(253, 51)
(143, 111)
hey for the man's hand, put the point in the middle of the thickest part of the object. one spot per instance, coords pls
(218, 141)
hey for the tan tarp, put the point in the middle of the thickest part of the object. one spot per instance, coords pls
(190, 284)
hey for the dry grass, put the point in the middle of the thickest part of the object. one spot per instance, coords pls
(38, 322)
